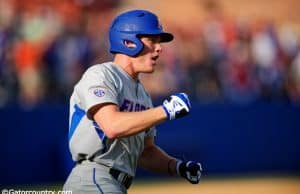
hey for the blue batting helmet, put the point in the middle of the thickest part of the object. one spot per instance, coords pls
(128, 25)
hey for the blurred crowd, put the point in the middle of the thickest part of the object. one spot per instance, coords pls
(45, 47)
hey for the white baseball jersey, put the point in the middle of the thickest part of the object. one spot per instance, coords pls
(106, 83)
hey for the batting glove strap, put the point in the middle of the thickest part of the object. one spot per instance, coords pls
(177, 106)
(189, 170)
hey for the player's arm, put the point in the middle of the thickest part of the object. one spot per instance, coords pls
(117, 124)
(156, 160)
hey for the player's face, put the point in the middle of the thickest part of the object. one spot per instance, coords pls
(145, 62)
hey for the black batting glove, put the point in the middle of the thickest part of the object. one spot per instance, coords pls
(190, 170)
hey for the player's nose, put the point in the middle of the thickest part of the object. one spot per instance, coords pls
(158, 48)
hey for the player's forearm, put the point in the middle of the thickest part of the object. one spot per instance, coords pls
(123, 124)
(156, 160)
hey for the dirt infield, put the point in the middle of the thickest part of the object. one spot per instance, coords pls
(221, 186)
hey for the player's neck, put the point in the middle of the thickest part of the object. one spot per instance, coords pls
(125, 63)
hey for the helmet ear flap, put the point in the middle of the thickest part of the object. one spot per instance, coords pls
(136, 49)
(129, 44)
(125, 43)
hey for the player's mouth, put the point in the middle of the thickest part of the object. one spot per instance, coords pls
(154, 58)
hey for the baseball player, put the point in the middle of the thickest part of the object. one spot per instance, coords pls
(112, 119)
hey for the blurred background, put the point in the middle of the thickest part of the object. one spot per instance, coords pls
(238, 60)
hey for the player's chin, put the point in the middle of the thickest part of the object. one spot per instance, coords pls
(149, 70)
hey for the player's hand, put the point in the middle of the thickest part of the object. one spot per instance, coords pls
(177, 106)
(189, 170)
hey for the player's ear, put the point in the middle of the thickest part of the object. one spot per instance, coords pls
(129, 44)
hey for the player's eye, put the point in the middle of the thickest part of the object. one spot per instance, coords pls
(155, 39)
(152, 38)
